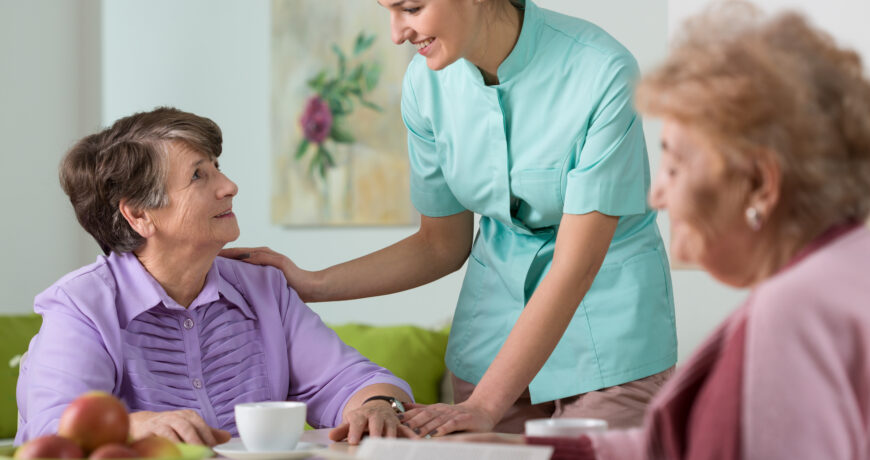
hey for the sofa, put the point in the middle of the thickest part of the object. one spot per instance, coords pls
(412, 353)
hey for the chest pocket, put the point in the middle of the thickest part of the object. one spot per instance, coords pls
(537, 197)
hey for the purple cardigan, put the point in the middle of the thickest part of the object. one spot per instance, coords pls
(247, 337)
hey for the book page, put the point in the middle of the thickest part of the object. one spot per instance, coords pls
(406, 449)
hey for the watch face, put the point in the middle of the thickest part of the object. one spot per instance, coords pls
(398, 406)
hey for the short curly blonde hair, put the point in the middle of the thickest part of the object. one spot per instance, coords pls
(751, 84)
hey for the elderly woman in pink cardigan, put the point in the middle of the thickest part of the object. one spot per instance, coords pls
(765, 175)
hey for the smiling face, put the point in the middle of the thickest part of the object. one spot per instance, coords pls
(705, 203)
(199, 213)
(442, 30)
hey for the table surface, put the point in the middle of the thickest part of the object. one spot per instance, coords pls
(337, 450)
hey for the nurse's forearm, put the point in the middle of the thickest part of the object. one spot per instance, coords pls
(440, 247)
(581, 246)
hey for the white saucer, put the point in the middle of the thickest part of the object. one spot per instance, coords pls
(235, 449)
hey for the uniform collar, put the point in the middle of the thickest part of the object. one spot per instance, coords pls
(138, 291)
(524, 50)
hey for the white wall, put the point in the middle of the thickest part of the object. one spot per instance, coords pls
(47, 101)
(846, 20)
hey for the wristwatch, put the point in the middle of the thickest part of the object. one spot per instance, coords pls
(394, 403)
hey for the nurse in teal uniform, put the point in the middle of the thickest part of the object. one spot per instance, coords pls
(523, 116)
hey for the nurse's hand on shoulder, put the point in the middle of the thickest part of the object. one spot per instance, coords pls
(440, 419)
(297, 278)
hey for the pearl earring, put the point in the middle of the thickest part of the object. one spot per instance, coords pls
(753, 218)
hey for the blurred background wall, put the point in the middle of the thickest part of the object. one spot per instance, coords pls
(70, 68)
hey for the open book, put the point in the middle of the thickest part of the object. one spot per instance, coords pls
(407, 449)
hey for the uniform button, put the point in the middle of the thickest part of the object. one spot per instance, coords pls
(197, 383)
(188, 323)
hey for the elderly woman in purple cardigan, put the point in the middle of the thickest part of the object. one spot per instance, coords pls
(177, 333)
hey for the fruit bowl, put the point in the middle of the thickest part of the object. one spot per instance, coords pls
(188, 452)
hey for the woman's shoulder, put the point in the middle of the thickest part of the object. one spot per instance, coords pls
(247, 276)
(579, 35)
(258, 284)
(87, 298)
(93, 279)
(837, 263)
(826, 288)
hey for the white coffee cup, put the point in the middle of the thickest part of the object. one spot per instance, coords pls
(564, 427)
(270, 426)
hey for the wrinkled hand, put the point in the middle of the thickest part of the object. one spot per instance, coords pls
(297, 278)
(440, 419)
(376, 418)
(177, 426)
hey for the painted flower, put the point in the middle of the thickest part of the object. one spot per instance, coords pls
(316, 120)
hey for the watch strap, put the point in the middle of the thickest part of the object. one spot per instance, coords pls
(394, 403)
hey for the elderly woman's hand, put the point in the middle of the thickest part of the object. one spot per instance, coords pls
(178, 426)
(376, 418)
(440, 419)
(300, 280)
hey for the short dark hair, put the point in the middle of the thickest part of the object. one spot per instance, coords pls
(128, 161)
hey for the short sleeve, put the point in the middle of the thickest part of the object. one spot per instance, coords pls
(429, 191)
(611, 172)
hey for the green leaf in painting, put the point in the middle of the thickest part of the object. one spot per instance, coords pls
(315, 160)
(356, 73)
(327, 158)
(362, 43)
(303, 147)
(372, 75)
(318, 81)
(371, 105)
(341, 135)
(342, 61)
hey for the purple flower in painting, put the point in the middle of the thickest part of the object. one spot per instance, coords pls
(316, 120)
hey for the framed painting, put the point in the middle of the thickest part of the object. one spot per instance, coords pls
(339, 147)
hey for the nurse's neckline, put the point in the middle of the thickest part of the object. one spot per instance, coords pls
(505, 44)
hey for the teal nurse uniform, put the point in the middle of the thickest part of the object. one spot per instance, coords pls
(558, 134)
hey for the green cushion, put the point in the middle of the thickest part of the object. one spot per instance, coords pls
(413, 354)
(17, 332)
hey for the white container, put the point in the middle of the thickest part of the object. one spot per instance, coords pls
(564, 427)
(270, 426)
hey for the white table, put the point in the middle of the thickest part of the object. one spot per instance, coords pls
(337, 450)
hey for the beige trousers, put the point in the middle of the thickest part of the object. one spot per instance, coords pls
(623, 406)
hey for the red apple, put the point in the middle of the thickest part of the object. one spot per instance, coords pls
(156, 447)
(50, 446)
(113, 451)
(93, 419)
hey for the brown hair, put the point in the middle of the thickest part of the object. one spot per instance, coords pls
(127, 161)
(753, 85)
